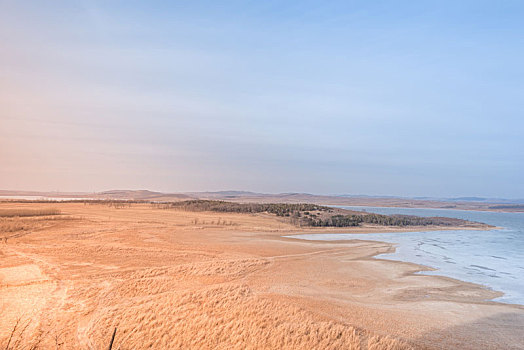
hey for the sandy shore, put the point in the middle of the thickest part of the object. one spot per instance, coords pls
(175, 279)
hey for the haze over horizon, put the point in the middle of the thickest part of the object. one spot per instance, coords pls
(404, 99)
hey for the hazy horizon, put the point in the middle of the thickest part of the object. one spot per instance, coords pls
(407, 99)
(467, 198)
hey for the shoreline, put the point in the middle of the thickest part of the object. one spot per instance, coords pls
(418, 268)
(484, 210)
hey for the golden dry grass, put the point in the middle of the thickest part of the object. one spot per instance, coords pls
(16, 226)
(387, 343)
(9, 213)
(228, 316)
(8, 226)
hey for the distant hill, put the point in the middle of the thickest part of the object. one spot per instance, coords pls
(111, 194)
(221, 194)
(466, 203)
(469, 199)
(141, 195)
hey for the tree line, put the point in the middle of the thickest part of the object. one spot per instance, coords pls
(378, 219)
(279, 209)
(304, 214)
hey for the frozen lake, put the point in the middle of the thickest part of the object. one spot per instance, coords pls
(494, 258)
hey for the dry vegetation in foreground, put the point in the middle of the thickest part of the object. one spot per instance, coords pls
(225, 317)
(18, 339)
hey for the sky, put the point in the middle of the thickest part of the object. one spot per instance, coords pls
(407, 98)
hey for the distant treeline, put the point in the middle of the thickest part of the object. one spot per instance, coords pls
(302, 214)
(507, 206)
(378, 219)
(309, 214)
(279, 209)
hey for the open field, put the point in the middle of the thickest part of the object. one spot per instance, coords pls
(213, 280)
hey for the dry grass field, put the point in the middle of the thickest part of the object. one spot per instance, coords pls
(70, 273)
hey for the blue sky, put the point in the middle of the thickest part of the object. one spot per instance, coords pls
(419, 98)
